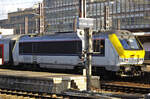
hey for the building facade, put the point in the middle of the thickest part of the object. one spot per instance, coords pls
(132, 15)
(60, 14)
(22, 21)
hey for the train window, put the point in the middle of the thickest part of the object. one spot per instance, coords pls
(99, 46)
(25, 48)
(57, 47)
(1, 52)
(130, 44)
(63, 47)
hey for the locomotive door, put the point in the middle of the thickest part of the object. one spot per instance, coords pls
(1, 54)
(34, 49)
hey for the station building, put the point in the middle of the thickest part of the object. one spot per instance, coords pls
(132, 15)
(22, 21)
(61, 15)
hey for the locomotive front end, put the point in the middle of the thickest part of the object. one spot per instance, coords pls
(130, 53)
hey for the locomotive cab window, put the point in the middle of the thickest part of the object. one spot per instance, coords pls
(99, 46)
(130, 43)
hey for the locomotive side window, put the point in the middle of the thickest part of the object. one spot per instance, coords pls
(52, 47)
(99, 46)
(25, 48)
(63, 47)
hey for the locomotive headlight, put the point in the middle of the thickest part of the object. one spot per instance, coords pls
(141, 59)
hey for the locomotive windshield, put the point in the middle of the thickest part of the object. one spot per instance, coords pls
(130, 43)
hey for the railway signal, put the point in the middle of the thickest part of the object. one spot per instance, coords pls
(86, 25)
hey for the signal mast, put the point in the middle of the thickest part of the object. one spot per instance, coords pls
(87, 35)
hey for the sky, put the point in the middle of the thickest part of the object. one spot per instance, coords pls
(7, 6)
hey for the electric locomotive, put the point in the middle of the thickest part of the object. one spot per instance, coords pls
(119, 51)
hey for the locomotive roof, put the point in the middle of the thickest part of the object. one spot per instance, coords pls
(55, 37)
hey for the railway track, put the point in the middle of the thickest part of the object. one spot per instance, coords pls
(65, 95)
(110, 86)
(126, 87)
(23, 94)
(36, 95)
(140, 85)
